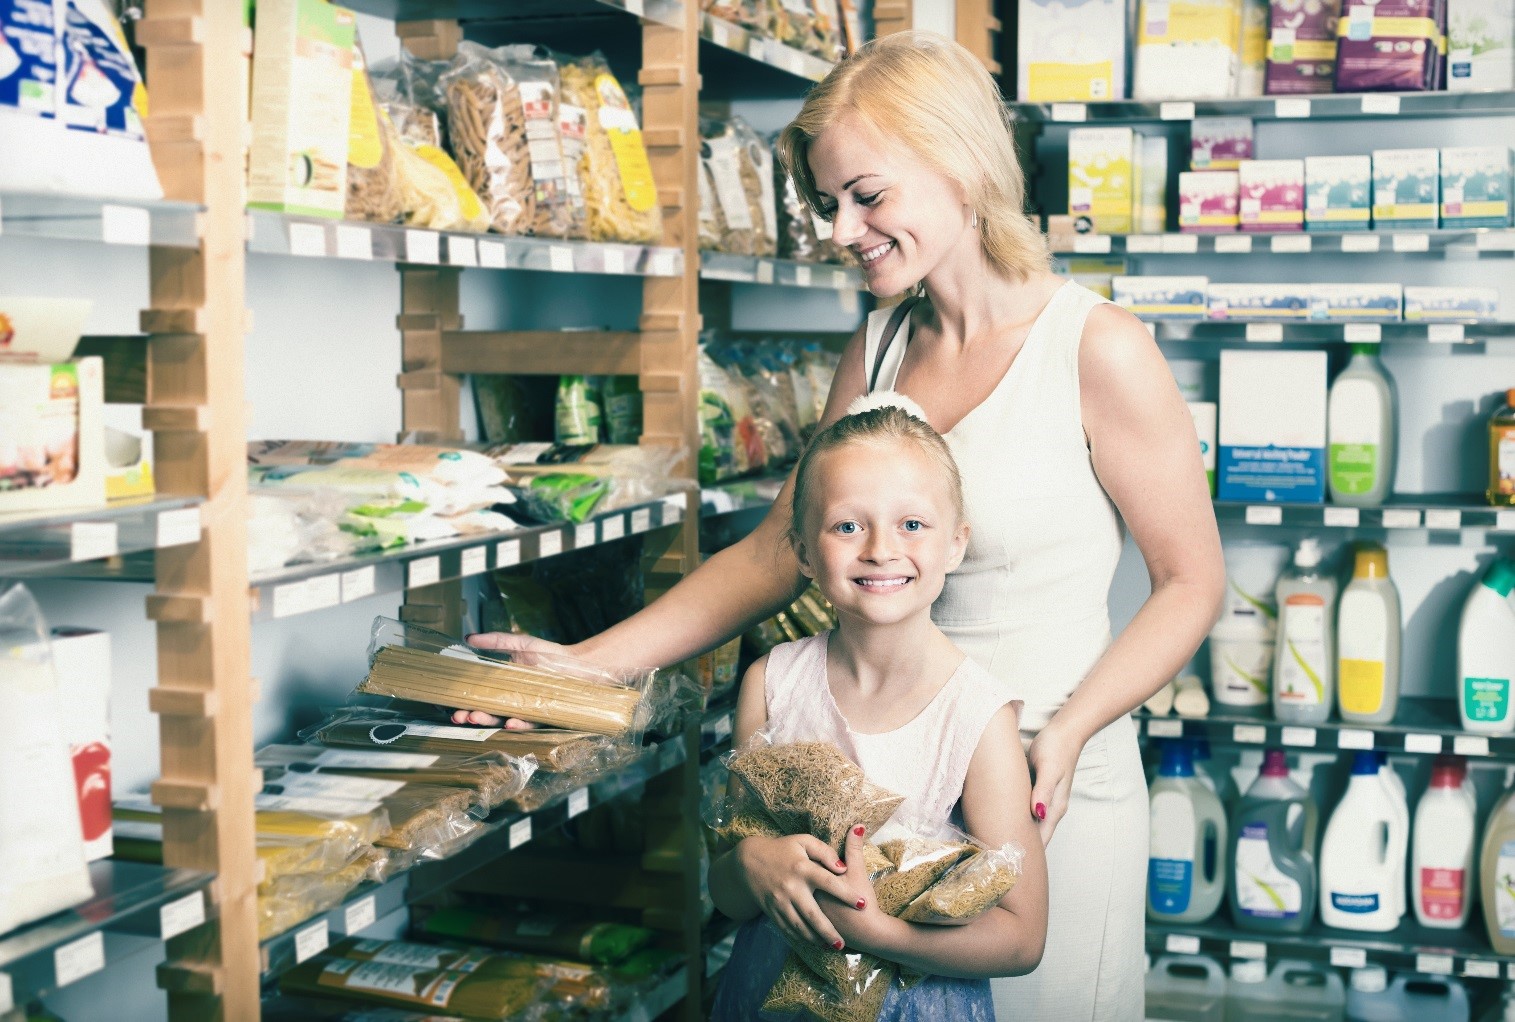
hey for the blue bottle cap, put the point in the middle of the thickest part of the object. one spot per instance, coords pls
(1177, 761)
(1365, 763)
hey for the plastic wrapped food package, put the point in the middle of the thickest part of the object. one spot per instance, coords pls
(429, 818)
(468, 994)
(798, 990)
(620, 196)
(493, 778)
(557, 215)
(739, 217)
(749, 14)
(915, 865)
(289, 901)
(538, 932)
(487, 130)
(972, 887)
(364, 727)
(373, 182)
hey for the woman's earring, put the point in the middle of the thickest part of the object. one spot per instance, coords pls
(975, 223)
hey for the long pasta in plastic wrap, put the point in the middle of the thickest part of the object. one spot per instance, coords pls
(493, 778)
(409, 985)
(433, 191)
(620, 196)
(487, 130)
(366, 727)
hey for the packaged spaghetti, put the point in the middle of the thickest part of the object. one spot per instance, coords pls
(620, 196)
(537, 80)
(487, 129)
(429, 818)
(464, 993)
(537, 932)
(492, 778)
(373, 182)
(365, 727)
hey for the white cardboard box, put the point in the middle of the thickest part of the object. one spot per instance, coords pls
(81, 661)
(1272, 443)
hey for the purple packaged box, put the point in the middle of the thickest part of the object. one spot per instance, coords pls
(1301, 46)
(1272, 195)
(1219, 143)
(1391, 46)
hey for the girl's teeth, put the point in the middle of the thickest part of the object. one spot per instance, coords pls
(883, 583)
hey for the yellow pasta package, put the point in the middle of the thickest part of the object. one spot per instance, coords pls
(620, 196)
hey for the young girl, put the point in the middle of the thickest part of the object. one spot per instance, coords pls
(878, 524)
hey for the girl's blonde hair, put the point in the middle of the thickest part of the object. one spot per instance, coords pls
(889, 424)
(926, 92)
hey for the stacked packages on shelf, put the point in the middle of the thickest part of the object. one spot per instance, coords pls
(1196, 298)
(758, 405)
(828, 29)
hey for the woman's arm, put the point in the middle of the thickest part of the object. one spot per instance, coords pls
(1142, 442)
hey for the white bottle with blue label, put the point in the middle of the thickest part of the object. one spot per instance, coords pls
(1187, 863)
(1362, 858)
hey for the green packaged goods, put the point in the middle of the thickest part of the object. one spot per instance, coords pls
(542, 933)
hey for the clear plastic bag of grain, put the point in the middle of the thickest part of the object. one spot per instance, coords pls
(486, 127)
(973, 886)
(799, 990)
(540, 86)
(620, 196)
(373, 183)
(738, 165)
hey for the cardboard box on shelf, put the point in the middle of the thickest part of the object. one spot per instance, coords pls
(1450, 304)
(1389, 46)
(1209, 202)
(1272, 195)
(1338, 193)
(1071, 50)
(1151, 213)
(53, 449)
(1272, 443)
(1187, 49)
(1101, 171)
(1259, 301)
(1162, 297)
(1475, 186)
(1302, 47)
(1219, 143)
(1357, 303)
(1480, 45)
(81, 663)
(1406, 183)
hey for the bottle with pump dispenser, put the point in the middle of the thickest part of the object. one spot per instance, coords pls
(1444, 840)
(1501, 492)
(1362, 856)
(1362, 431)
(1486, 653)
(1304, 664)
(1186, 872)
(1273, 875)
(1368, 637)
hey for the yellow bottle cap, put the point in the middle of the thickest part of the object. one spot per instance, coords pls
(1372, 562)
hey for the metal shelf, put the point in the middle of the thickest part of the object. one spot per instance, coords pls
(781, 272)
(279, 234)
(134, 907)
(664, 12)
(110, 221)
(762, 49)
(757, 494)
(1434, 513)
(1305, 332)
(1328, 107)
(51, 542)
(1469, 243)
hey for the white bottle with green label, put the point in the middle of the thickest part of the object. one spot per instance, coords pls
(1486, 652)
(1362, 429)
(1304, 664)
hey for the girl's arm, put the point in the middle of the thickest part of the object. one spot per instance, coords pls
(1008, 939)
(776, 876)
(1142, 442)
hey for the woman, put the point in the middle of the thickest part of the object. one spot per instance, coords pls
(1065, 420)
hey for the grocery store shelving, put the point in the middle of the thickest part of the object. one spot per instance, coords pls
(1433, 513)
(740, 495)
(49, 542)
(109, 221)
(134, 907)
(1304, 331)
(662, 12)
(782, 272)
(1453, 243)
(737, 39)
(278, 234)
(1326, 107)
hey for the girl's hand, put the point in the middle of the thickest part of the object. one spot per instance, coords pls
(1053, 757)
(857, 917)
(516, 644)
(783, 875)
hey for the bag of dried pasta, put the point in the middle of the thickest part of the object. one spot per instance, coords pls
(373, 185)
(620, 196)
(487, 129)
(433, 192)
(537, 80)
(748, 14)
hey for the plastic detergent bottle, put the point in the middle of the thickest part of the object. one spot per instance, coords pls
(1486, 652)
(1400, 799)
(1371, 997)
(1304, 666)
(1362, 431)
(1368, 635)
(1273, 852)
(1362, 856)
(1242, 641)
(1292, 992)
(1444, 836)
(1216, 777)
(1191, 988)
(1496, 874)
(1502, 452)
(1186, 872)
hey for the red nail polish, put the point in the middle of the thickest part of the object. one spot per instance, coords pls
(1041, 811)
(840, 864)
(859, 831)
(861, 904)
(837, 945)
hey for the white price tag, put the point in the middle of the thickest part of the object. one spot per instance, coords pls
(1180, 244)
(1176, 111)
(181, 915)
(1353, 738)
(1144, 244)
(1430, 744)
(7, 995)
(1412, 243)
(423, 247)
(1233, 244)
(1249, 734)
(1504, 521)
(1401, 518)
(615, 261)
(423, 571)
(1341, 517)
(1434, 965)
(641, 520)
(794, 61)
(307, 240)
(584, 535)
(1443, 519)
(1291, 108)
(520, 833)
(178, 527)
(323, 591)
(662, 264)
(1182, 944)
(1470, 745)
(492, 255)
(612, 528)
(507, 554)
(354, 242)
(560, 258)
(125, 225)
(1091, 244)
(764, 272)
(755, 47)
(1165, 727)
(1496, 241)
(578, 802)
(1363, 333)
(1290, 244)
(360, 915)
(462, 251)
(1268, 333)
(1360, 242)
(1303, 737)
(90, 541)
(1481, 970)
(635, 7)
(1349, 957)
(357, 584)
(723, 726)
(720, 33)
(839, 280)
(1070, 113)
(1446, 333)
(311, 941)
(550, 544)
(1380, 103)
(289, 600)
(1265, 514)
(79, 958)
(475, 561)
(1248, 949)
(802, 276)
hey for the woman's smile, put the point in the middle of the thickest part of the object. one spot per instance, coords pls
(869, 256)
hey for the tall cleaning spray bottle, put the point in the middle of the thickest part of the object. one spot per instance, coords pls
(1304, 664)
(1273, 877)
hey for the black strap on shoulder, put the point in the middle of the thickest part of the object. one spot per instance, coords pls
(886, 339)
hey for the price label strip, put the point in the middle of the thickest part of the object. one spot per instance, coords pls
(311, 941)
(360, 915)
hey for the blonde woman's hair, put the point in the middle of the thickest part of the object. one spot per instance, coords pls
(929, 94)
(890, 424)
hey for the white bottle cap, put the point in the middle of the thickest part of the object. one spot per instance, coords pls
(1252, 971)
(1308, 554)
(1370, 979)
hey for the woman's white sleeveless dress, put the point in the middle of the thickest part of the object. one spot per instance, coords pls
(1031, 604)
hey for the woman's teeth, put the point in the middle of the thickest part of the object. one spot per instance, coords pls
(875, 253)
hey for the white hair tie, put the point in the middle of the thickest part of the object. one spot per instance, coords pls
(886, 399)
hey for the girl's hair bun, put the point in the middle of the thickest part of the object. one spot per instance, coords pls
(886, 399)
